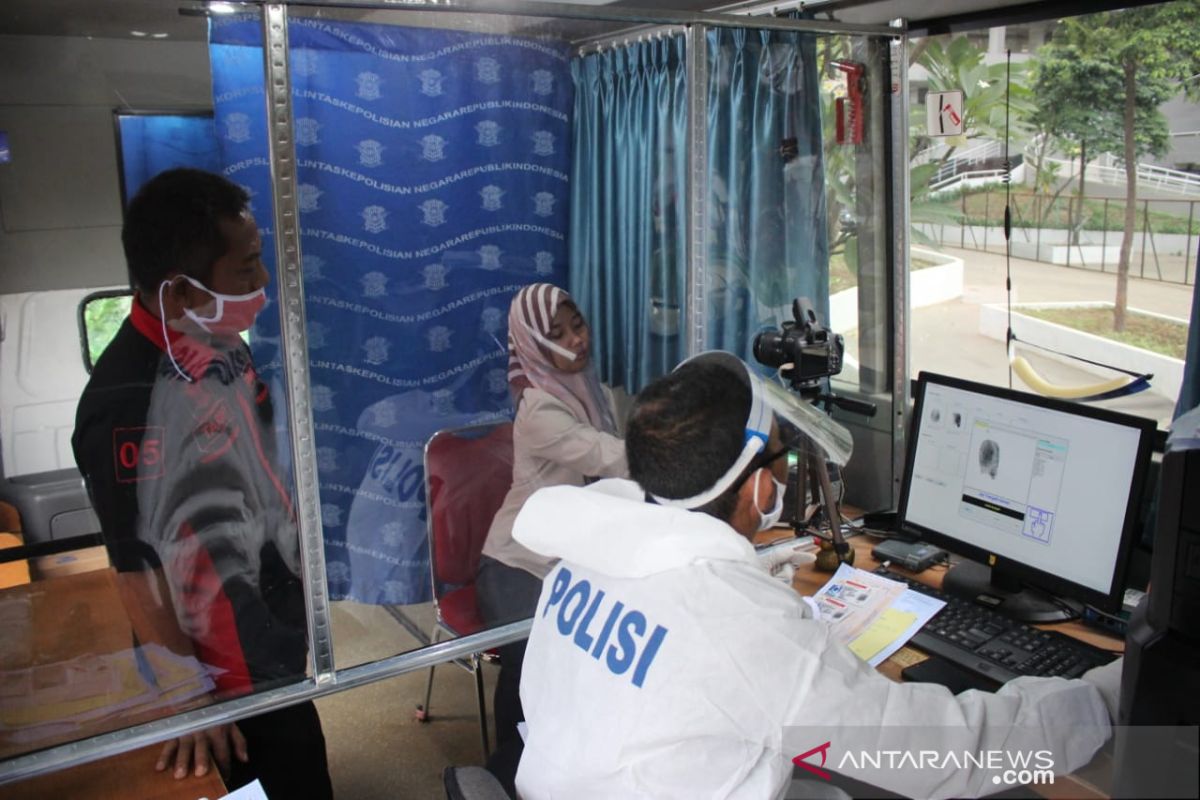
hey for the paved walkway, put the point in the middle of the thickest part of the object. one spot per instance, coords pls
(945, 337)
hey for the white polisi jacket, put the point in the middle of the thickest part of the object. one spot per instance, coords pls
(665, 662)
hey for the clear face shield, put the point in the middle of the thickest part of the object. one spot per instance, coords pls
(801, 427)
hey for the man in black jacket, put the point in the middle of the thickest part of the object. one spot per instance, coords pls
(174, 437)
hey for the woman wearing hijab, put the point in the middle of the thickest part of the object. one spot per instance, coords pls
(565, 432)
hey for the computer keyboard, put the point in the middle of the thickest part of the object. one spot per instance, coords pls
(995, 647)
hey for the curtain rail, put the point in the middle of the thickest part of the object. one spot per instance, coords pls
(605, 13)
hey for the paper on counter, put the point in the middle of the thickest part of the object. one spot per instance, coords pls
(872, 615)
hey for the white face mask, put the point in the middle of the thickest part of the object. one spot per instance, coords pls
(768, 519)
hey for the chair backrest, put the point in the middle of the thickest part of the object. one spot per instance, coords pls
(468, 472)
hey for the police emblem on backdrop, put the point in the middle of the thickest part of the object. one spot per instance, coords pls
(304, 62)
(543, 262)
(307, 196)
(443, 402)
(543, 143)
(307, 131)
(383, 414)
(433, 147)
(316, 335)
(489, 133)
(376, 350)
(543, 204)
(313, 267)
(497, 380)
(435, 276)
(337, 571)
(331, 515)
(374, 219)
(431, 82)
(489, 256)
(541, 82)
(237, 127)
(487, 70)
(393, 534)
(434, 213)
(370, 153)
(439, 338)
(368, 86)
(491, 197)
(322, 398)
(374, 284)
(491, 319)
(327, 459)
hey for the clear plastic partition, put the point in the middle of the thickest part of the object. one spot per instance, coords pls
(442, 161)
(445, 161)
(168, 577)
(797, 215)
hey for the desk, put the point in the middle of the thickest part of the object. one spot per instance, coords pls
(51, 622)
(123, 777)
(1082, 784)
(808, 580)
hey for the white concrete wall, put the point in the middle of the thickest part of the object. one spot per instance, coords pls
(1168, 372)
(928, 286)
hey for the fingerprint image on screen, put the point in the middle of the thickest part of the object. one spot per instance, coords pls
(989, 458)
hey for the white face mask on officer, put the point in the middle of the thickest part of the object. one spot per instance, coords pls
(769, 519)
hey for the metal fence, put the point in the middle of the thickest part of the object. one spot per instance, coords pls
(1055, 230)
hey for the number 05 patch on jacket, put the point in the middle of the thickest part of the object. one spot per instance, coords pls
(138, 453)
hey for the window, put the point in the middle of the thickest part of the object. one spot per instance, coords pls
(1068, 222)
(100, 315)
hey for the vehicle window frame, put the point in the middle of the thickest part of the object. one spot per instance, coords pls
(81, 317)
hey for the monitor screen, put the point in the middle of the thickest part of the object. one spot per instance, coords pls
(1046, 488)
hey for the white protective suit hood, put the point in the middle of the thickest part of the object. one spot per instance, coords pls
(613, 530)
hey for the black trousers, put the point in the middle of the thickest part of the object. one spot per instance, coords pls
(506, 594)
(287, 753)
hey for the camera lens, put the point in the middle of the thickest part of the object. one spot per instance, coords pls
(769, 349)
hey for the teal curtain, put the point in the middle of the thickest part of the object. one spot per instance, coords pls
(767, 239)
(628, 232)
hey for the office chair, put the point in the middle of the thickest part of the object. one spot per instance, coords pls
(468, 472)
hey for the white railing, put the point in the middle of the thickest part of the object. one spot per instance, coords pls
(1110, 170)
(987, 148)
(978, 177)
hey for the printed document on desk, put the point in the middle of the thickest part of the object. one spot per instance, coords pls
(872, 615)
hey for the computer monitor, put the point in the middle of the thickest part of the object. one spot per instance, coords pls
(1040, 494)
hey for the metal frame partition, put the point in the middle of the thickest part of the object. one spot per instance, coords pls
(326, 678)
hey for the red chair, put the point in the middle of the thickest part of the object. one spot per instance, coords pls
(468, 472)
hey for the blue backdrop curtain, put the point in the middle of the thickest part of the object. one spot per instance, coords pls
(767, 238)
(628, 233)
(1189, 390)
(432, 184)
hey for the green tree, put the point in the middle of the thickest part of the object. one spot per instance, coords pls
(960, 64)
(1105, 76)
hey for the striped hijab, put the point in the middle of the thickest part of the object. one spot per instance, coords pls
(529, 363)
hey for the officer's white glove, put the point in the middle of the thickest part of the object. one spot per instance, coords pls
(781, 560)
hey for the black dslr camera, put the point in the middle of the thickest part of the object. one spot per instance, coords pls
(813, 350)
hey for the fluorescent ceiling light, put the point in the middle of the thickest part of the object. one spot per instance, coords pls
(222, 8)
